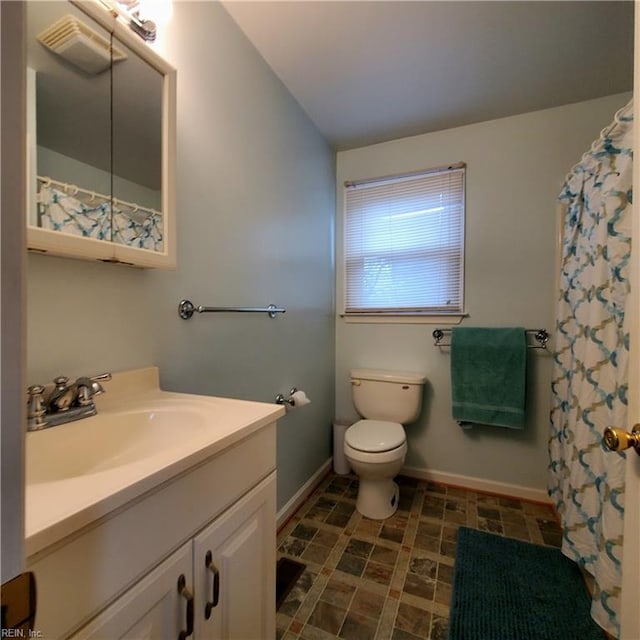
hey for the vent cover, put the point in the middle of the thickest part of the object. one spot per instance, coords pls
(80, 45)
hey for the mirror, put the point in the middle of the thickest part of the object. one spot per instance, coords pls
(101, 138)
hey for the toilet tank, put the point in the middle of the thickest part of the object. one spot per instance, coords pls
(387, 395)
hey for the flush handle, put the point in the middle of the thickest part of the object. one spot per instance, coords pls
(208, 561)
(618, 439)
(188, 596)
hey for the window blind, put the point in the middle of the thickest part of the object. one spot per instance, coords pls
(404, 243)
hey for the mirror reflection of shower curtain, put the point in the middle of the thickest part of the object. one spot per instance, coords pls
(589, 382)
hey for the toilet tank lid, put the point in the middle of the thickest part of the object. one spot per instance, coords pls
(405, 377)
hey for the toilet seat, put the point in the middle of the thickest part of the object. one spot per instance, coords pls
(375, 459)
(375, 436)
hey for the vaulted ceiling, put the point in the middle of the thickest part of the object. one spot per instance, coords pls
(367, 72)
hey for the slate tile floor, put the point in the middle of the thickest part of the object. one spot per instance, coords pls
(391, 579)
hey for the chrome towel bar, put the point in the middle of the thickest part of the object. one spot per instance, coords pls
(541, 336)
(186, 309)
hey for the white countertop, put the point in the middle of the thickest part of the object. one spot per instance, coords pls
(68, 486)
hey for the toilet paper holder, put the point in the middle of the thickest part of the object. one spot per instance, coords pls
(295, 398)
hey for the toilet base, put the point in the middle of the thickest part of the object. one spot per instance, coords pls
(377, 498)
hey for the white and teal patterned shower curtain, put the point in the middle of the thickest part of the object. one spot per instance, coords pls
(589, 382)
(99, 218)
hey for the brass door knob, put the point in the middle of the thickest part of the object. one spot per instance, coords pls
(619, 439)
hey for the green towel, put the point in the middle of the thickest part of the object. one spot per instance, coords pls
(488, 371)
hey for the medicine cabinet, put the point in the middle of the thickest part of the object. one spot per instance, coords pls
(101, 138)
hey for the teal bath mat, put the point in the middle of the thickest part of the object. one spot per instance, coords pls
(505, 589)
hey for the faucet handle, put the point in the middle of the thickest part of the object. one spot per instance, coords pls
(101, 377)
(84, 396)
(36, 409)
(35, 392)
(87, 388)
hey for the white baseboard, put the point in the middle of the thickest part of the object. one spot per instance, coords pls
(302, 494)
(478, 484)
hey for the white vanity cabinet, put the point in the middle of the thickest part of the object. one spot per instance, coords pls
(118, 576)
(229, 572)
(234, 570)
(152, 609)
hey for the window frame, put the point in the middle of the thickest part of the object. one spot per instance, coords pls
(391, 316)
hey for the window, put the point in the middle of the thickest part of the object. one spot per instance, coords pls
(404, 244)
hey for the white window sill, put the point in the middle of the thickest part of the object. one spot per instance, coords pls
(384, 318)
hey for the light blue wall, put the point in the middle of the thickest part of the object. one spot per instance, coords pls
(256, 206)
(515, 168)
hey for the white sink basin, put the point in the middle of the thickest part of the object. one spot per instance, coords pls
(110, 440)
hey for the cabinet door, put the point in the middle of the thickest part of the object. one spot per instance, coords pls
(241, 544)
(152, 609)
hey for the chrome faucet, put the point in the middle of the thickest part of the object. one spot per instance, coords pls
(66, 402)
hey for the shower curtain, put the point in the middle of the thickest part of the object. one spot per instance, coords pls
(589, 382)
(99, 217)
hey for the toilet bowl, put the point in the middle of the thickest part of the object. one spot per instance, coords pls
(376, 446)
(376, 461)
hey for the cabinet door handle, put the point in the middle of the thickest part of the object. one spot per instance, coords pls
(208, 561)
(186, 594)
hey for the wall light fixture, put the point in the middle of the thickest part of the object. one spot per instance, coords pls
(142, 16)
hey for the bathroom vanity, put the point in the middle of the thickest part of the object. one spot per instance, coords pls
(170, 532)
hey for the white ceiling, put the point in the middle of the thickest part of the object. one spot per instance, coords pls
(366, 72)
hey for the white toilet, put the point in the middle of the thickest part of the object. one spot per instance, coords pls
(376, 446)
